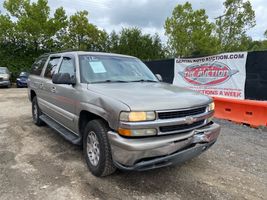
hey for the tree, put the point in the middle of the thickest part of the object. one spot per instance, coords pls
(7, 31)
(258, 45)
(131, 41)
(189, 32)
(113, 42)
(101, 42)
(31, 32)
(82, 35)
(232, 26)
(33, 24)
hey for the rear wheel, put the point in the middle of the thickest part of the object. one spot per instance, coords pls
(36, 112)
(96, 148)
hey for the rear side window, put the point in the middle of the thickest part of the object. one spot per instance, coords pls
(51, 67)
(38, 66)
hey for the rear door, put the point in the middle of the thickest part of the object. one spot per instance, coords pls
(65, 95)
(35, 80)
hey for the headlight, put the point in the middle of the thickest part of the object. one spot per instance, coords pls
(137, 132)
(5, 77)
(211, 107)
(137, 116)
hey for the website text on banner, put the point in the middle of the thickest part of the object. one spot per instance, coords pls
(221, 75)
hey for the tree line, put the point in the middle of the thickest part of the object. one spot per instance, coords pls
(29, 29)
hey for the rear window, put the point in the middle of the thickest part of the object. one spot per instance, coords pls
(38, 66)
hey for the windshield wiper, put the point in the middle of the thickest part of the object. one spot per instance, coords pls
(111, 81)
(145, 80)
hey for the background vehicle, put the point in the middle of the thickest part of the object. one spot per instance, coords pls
(119, 111)
(22, 79)
(5, 77)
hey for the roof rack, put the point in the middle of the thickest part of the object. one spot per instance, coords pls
(63, 51)
(66, 50)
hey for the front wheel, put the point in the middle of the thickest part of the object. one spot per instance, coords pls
(36, 112)
(96, 148)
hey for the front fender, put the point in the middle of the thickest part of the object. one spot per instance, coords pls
(107, 108)
(95, 110)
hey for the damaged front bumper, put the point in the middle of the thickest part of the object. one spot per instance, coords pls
(159, 151)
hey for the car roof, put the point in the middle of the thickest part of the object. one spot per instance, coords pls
(88, 53)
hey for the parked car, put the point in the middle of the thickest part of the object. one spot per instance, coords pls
(119, 111)
(22, 79)
(5, 77)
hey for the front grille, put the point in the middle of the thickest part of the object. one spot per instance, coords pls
(181, 127)
(181, 113)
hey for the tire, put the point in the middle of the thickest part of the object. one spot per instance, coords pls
(95, 134)
(36, 112)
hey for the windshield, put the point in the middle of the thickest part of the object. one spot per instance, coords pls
(3, 71)
(25, 74)
(98, 69)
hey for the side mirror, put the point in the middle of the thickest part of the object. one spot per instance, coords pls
(63, 78)
(159, 77)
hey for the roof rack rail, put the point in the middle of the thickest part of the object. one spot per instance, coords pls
(63, 51)
(66, 50)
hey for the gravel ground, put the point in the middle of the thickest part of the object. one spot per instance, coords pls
(36, 163)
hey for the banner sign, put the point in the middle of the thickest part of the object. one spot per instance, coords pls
(221, 75)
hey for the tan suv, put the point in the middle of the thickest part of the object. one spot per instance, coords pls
(121, 113)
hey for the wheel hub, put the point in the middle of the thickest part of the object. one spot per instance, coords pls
(93, 150)
(35, 111)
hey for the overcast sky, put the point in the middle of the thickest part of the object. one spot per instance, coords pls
(150, 14)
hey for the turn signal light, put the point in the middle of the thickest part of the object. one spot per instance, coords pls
(137, 132)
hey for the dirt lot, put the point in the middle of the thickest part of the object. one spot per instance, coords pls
(36, 163)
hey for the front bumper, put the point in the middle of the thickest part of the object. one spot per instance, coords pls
(22, 83)
(154, 152)
(5, 83)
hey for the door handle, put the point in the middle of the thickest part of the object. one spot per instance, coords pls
(53, 89)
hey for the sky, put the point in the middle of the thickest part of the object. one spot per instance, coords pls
(150, 15)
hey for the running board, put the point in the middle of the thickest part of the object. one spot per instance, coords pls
(68, 135)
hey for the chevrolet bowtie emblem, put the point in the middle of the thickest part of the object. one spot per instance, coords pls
(189, 120)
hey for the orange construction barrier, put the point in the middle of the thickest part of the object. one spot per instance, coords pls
(249, 112)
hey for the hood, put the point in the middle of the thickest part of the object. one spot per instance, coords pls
(23, 77)
(151, 96)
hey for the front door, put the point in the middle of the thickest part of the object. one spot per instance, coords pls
(64, 96)
(46, 100)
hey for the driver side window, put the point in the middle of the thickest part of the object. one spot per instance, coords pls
(67, 66)
(51, 67)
